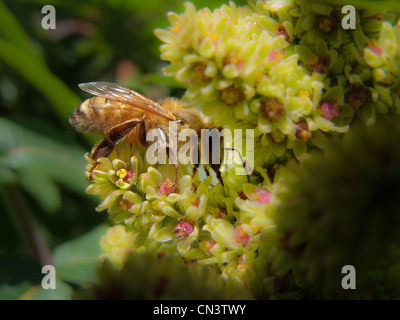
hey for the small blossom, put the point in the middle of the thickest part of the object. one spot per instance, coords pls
(326, 23)
(276, 55)
(317, 64)
(230, 96)
(241, 236)
(234, 58)
(167, 187)
(198, 77)
(302, 131)
(280, 30)
(374, 48)
(329, 110)
(261, 196)
(124, 174)
(183, 229)
(358, 96)
(272, 109)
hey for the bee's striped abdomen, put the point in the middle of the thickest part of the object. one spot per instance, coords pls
(87, 116)
(99, 114)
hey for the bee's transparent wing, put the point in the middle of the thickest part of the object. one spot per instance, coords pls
(120, 93)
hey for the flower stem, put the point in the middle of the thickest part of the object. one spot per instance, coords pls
(25, 223)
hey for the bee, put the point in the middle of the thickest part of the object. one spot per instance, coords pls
(121, 114)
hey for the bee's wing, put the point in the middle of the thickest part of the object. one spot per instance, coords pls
(120, 93)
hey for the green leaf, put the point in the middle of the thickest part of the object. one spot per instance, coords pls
(18, 273)
(11, 29)
(77, 260)
(62, 291)
(7, 176)
(28, 152)
(36, 72)
(42, 188)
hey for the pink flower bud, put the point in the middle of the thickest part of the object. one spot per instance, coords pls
(241, 236)
(261, 196)
(183, 229)
(329, 110)
(166, 187)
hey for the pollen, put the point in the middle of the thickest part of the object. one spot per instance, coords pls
(122, 173)
(176, 28)
(212, 36)
(304, 94)
(276, 54)
(234, 58)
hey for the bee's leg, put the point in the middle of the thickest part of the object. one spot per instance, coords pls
(216, 167)
(142, 134)
(113, 137)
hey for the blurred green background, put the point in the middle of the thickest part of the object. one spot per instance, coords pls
(46, 217)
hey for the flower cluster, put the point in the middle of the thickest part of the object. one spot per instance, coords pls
(288, 70)
(335, 210)
(285, 68)
(144, 276)
(177, 210)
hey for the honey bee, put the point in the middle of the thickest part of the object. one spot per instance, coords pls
(121, 114)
